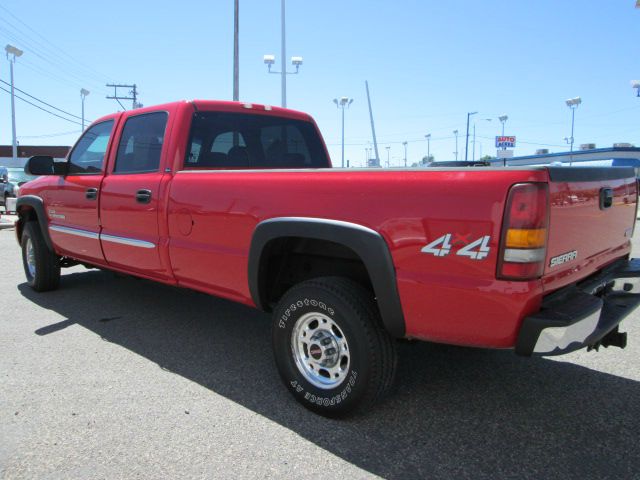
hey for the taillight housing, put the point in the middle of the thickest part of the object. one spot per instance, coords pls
(523, 247)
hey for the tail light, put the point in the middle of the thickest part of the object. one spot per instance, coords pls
(523, 248)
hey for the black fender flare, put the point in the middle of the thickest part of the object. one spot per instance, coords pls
(37, 204)
(365, 242)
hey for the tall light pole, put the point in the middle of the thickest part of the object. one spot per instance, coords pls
(466, 148)
(343, 103)
(573, 103)
(236, 52)
(428, 137)
(636, 84)
(270, 60)
(388, 154)
(474, 137)
(503, 119)
(405, 154)
(15, 52)
(83, 94)
(455, 132)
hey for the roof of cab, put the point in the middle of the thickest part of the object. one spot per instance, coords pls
(219, 106)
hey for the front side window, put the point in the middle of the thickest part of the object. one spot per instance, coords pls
(88, 155)
(141, 143)
(239, 140)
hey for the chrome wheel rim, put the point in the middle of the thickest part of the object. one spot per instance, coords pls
(30, 258)
(320, 350)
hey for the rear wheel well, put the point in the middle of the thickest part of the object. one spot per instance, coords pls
(287, 261)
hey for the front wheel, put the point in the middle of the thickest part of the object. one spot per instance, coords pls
(330, 347)
(41, 266)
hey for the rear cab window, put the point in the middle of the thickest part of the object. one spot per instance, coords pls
(223, 140)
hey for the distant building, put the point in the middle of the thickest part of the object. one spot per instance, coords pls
(25, 152)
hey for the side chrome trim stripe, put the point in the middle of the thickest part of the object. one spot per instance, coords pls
(126, 241)
(107, 238)
(74, 231)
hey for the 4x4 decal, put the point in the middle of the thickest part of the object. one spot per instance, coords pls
(476, 250)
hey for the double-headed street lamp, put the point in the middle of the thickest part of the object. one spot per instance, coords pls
(466, 148)
(455, 132)
(14, 52)
(503, 119)
(269, 60)
(343, 102)
(83, 94)
(573, 103)
(405, 154)
(428, 137)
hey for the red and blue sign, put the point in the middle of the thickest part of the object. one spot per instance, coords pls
(505, 142)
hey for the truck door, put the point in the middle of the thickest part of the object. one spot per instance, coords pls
(72, 208)
(129, 197)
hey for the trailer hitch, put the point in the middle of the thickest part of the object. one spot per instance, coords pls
(612, 339)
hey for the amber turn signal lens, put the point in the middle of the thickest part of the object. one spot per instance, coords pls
(526, 237)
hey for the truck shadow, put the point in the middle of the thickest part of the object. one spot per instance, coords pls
(456, 412)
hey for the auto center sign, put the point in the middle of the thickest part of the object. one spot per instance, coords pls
(505, 142)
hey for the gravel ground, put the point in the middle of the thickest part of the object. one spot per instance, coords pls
(114, 377)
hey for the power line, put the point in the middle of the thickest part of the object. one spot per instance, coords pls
(40, 108)
(46, 44)
(43, 102)
(50, 135)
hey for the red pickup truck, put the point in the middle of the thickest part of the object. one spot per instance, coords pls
(240, 201)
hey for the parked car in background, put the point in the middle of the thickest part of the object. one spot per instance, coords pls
(11, 179)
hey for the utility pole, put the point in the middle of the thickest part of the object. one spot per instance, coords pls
(16, 52)
(388, 153)
(133, 92)
(236, 51)
(373, 128)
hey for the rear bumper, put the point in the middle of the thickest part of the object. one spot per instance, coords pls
(585, 314)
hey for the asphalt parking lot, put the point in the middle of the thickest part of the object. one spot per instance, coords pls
(114, 377)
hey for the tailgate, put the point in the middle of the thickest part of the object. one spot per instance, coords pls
(592, 215)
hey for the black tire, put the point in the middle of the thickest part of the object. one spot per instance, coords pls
(46, 274)
(349, 312)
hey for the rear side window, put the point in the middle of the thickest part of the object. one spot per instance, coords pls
(141, 143)
(238, 140)
(87, 156)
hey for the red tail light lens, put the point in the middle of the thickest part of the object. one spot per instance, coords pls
(523, 247)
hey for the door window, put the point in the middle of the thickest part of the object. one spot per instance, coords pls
(87, 156)
(141, 143)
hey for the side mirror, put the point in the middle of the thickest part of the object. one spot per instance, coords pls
(43, 165)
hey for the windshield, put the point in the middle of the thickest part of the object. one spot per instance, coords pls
(17, 175)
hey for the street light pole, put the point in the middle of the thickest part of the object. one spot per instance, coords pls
(16, 52)
(405, 154)
(236, 51)
(428, 137)
(455, 132)
(388, 153)
(283, 53)
(343, 103)
(474, 138)
(573, 103)
(466, 148)
(83, 95)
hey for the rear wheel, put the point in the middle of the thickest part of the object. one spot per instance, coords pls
(330, 347)
(41, 266)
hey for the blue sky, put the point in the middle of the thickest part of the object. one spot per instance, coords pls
(427, 63)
